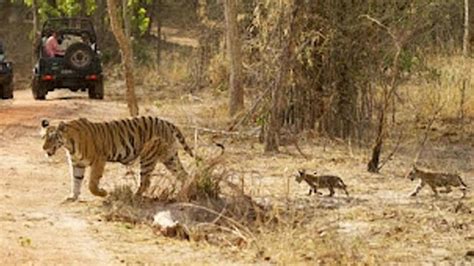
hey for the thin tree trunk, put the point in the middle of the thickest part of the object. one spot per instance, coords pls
(234, 54)
(127, 56)
(465, 52)
(99, 15)
(37, 38)
(272, 131)
(158, 13)
(126, 20)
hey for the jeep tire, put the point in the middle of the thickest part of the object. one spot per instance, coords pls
(97, 90)
(6, 91)
(39, 90)
(79, 56)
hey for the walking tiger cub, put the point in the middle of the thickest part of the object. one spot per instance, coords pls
(435, 180)
(90, 144)
(322, 181)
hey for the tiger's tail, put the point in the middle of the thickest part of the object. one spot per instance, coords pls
(180, 137)
(343, 186)
(462, 182)
(342, 183)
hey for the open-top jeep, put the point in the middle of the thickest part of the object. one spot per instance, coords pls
(79, 69)
(6, 76)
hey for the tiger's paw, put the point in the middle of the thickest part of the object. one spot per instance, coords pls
(71, 198)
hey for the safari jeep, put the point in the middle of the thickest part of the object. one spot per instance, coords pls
(79, 69)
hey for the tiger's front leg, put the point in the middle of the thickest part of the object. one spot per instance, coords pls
(77, 175)
(418, 188)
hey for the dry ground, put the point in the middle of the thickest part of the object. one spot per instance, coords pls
(378, 223)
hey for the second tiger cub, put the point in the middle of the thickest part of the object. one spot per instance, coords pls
(322, 181)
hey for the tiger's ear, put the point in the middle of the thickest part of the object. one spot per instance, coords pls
(61, 126)
(44, 123)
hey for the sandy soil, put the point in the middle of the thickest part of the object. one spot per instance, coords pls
(379, 220)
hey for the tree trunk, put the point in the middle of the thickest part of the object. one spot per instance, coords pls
(99, 16)
(158, 20)
(126, 20)
(373, 165)
(37, 37)
(234, 55)
(465, 52)
(272, 131)
(127, 56)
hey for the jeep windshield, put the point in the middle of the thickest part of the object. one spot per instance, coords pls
(73, 26)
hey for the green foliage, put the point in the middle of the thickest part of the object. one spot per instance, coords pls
(140, 21)
(69, 7)
(64, 8)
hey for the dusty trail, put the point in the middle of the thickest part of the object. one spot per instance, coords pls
(35, 226)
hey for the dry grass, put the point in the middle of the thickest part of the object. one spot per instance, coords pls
(445, 92)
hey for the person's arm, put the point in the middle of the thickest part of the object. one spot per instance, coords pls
(56, 49)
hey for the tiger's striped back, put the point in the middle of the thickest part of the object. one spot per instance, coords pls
(122, 140)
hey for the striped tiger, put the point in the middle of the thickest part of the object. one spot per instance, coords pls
(92, 144)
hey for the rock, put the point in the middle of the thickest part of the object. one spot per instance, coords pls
(169, 227)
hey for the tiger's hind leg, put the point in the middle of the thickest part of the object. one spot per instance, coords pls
(148, 160)
(433, 188)
(97, 170)
(173, 164)
(464, 191)
(188, 188)
(331, 192)
(447, 190)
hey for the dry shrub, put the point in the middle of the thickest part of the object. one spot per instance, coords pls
(444, 91)
(208, 205)
(122, 205)
(219, 72)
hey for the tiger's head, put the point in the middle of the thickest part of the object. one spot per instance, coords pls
(413, 173)
(299, 177)
(53, 137)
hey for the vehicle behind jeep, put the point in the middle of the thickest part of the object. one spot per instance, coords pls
(78, 69)
(6, 76)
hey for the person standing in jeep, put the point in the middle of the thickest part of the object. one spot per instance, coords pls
(51, 46)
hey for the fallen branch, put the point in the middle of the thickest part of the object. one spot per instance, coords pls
(214, 131)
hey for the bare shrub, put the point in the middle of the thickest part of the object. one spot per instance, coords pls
(209, 206)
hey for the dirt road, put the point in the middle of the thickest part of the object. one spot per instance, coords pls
(378, 223)
(36, 227)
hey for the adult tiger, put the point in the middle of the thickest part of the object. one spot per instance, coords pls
(92, 144)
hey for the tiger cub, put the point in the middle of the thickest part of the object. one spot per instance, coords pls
(435, 180)
(322, 181)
